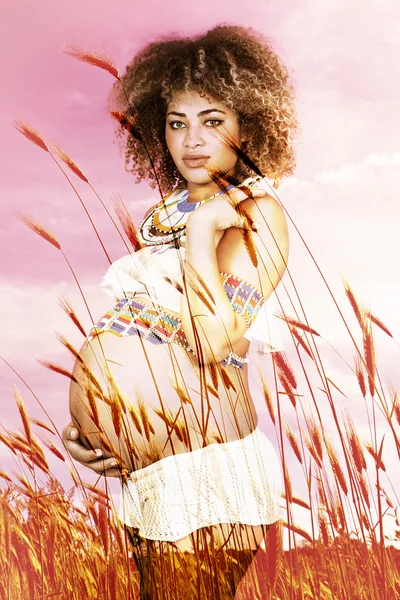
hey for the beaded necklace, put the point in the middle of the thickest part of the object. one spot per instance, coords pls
(167, 221)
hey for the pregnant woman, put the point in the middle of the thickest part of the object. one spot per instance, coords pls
(162, 388)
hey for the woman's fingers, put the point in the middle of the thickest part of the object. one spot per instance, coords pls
(250, 188)
(251, 192)
(69, 432)
(258, 185)
(93, 459)
(104, 466)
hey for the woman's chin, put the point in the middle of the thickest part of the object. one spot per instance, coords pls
(198, 176)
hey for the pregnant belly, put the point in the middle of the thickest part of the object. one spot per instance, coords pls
(142, 402)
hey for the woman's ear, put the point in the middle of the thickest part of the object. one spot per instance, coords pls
(244, 143)
(244, 135)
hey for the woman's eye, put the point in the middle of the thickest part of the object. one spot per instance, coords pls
(173, 123)
(215, 122)
(209, 123)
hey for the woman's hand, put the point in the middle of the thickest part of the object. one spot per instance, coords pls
(224, 210)
(98, 460)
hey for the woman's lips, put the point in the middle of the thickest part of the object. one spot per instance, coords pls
(194, 163)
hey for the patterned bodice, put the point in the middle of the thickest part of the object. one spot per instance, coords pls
(155, 272)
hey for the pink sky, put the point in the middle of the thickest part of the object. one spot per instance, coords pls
(343, 58)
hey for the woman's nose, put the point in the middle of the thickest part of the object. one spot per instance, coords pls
(193, 138)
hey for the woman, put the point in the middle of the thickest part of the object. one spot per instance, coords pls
(161, 387)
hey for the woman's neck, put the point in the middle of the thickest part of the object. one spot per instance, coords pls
(199, 192)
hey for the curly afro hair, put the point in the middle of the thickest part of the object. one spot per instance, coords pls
(234, 65)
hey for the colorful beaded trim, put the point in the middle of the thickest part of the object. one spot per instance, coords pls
(246, 300)
(152, 322)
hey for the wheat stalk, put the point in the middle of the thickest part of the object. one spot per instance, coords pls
(315, 436)
(354, 304)
(267, 397)
(293, 442)
(286, 386)
(42, 425)
(356, 449)
(274, 553)
(24, 414)
(41, 231)
(147, 427)
(57, 369)
(311, 448)
(296, 323)
(248, 240)
(296, 529)
(212, 369)
(226, 378)
(369, 354)
(70, 163)
(96, 59)
(31, 134)
(282, 363)
(379, 462)
(129, 123)
(364, 489)
(54, 449)
(360, 375)
(300, 339)
(336, 468)
(323, 527)
(127, 223)
(377, 322)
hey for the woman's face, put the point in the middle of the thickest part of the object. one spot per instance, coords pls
(192, 129)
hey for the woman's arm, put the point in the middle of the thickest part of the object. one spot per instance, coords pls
(200, 258)
(217, 333)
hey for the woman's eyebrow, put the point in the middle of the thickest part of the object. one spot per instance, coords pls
(201, 113)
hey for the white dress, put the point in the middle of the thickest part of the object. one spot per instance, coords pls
(232, 482)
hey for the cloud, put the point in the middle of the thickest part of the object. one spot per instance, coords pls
(357, 172)
(34, 315)
(76, 99)
(348, 46)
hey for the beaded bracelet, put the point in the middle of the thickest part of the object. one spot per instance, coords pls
(246, 300)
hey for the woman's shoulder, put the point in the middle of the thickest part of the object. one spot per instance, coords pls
(267, 206)
(268, 217)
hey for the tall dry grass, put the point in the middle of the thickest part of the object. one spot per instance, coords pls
(52, 545)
